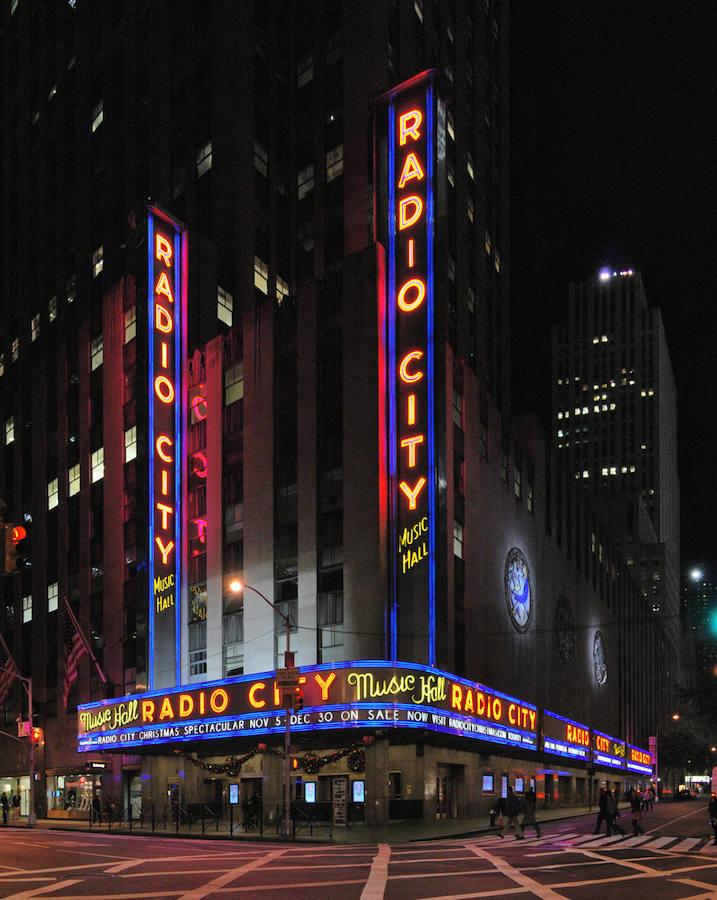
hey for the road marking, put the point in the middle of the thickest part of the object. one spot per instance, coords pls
(128, 864)
(211, 886)
(376, 882)
(505, 868)
(36, 892)
(582, 840)
(659, 842)
(691, 882)
(687, 844)
(686, 815)
(709, 849)
(51, 870)
(634, 841)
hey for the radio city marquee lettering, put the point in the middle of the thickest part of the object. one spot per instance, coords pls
(563, 737)
(410, 364)
(365, 694)
(166, 322)
(608, 751)
(639, 760)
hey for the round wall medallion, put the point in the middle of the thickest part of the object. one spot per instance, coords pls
(565, 629)
(599, 660)
(518, 592)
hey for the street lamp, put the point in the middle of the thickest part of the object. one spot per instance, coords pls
(675, 716)
(696, 574)
(236, 586)
(27, 683)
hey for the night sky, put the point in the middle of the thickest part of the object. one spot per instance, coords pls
(614, 162)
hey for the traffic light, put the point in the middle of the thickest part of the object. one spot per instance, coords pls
(37, 735)
(12, 536)
(298, 699)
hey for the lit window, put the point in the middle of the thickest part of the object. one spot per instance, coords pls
(204, 159)
(15, 349)
(98, 115)
(488, 242)
(469, 166)
(98, 261)
(130, 324)
(282, 290)
(496, 261)
(517, 482)
(130, 444)
(35, 327)
(71, 288)
(586, 474)
(261, 158)
(9, 431)
(225, 306)
(418, 8)
(97, 352)
(305, 181)
(450, 127)
(98, 465)
(529, 497)
(234, 383)
(53, 493)
(73, 480)
(52, 595)
(471, 209)
(457, 539)
(335, 162)
(304, 70)
(13, 7)
(52, 308)
(471, 300)
(261, 275)
(27, 609)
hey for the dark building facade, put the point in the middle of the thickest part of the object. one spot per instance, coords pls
(318, 274)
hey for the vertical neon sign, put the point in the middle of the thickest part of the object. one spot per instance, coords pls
(410, 351)
(166, 319)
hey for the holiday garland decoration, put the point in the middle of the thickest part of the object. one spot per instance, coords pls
(310, 763)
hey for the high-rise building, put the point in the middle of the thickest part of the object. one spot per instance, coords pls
(255, 273)
(614, 418)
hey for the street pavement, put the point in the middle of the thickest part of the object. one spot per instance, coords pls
(674, 859)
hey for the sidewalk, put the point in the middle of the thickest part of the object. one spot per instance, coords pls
(398, 832)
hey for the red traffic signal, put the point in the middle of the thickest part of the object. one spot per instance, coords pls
(12, 535)
(298, 699)
(36, 735)
(19, 533)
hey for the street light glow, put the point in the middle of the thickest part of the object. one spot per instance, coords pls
(235, 586)
(675, 716)
(696, 574)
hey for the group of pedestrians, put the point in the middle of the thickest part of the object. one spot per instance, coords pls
(609, 812)
(514, 811)
(10, 806)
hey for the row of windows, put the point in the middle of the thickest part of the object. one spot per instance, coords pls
(52, 597)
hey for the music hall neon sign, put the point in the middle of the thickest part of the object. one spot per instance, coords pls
(167, 259)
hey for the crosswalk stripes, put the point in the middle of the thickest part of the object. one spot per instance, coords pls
(602, 842)
(658, 843)
(687, 844)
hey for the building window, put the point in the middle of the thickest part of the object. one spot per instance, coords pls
(418, 9)
(96, 353)
(234, 383)
(225, 306)
(282, 289)
(9, 431)
(27, 609)
(53, 493)
(457, 408)
(469, 166)
(15, 350)
(130, 444)
(470, 209)
(98, 261)
(233, 641)
(204, 159)
(98, 115)
(52, 308)
(197, 648)
(335, 162)
(35, 327)
(73, 480)
(130, 324)
(304, 70)
(305, 181)
(98, 464)
(261, 159)
(52, 595)
(458, 539)
(517, 481)
(261, 275)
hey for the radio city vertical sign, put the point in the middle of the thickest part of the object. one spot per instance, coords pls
(409, 121)
(166, 321)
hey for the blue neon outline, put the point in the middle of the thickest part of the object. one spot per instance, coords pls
(602, 758)
(392, 452)
(431, 385)
(150, 457)
(178, 456)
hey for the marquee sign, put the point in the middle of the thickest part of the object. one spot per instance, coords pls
(563, 737)
(413, 124)
(639, 760)
(166, 320)
(607, 751)
(361, 694)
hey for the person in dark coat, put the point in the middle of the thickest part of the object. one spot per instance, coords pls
(713, 816)
(636, 810)
(602, 812)
(613, 814)
(530, 804)
(5, 803)
(514, 810)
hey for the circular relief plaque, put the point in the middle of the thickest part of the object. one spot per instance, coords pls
(599, 660)
(518, 591)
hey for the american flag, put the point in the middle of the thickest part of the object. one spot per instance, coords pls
(8, 671)
(74, 651)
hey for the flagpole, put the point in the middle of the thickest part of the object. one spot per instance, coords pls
(78, 629)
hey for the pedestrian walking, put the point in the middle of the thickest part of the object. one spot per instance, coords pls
(636, 812)
(651, 797)
(514, 810)
(530, 804)
(602, 812)
(645, 800)
(15, 806)
(5, 807)
(613, 814)
(494, 812)
(713, 816)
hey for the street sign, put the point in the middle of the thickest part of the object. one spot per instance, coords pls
(287, 678)
(23, 728)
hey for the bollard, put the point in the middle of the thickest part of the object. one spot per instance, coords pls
(231, 819)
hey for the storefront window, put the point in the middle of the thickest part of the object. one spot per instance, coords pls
(73, 792)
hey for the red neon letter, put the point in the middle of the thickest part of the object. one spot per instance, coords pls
(199, 407)
(408, 125)
(413, 284)
(412, 493)
(166, 511)
(163, 249)
(162, 287)
(164, 389)
(199, 464)
(404, 374)
(162, 319)
(162, 442)
(405, 218)
(411, 443)
(411, 411)
(411, 260)
(411, 169)
(165, 355)
(164, 550)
